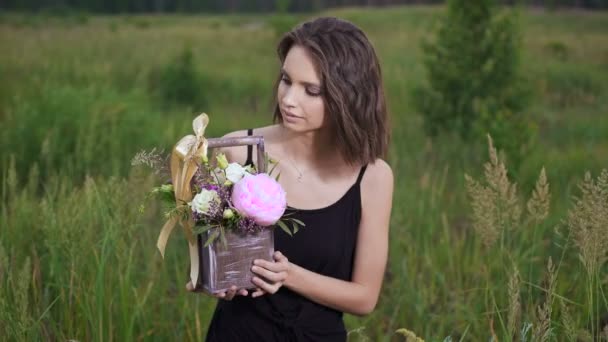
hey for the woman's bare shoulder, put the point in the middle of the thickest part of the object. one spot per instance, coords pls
(378, 181)
(378, 170)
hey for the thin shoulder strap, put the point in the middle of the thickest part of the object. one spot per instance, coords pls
(249, 149)
(363, 168)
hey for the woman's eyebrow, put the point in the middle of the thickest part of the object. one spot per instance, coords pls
(308, 84)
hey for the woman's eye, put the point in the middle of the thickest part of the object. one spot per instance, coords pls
(313, 92)
(285, 80)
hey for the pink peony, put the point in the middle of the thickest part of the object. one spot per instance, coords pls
(260, 198)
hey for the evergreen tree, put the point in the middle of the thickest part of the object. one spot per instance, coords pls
(474, 85)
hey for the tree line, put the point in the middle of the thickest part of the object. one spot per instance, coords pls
(231, 6)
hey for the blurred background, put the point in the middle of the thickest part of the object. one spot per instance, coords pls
(506, 244)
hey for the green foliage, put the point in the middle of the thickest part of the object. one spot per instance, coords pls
(558, 50)
(282, 23)
(67, 13)
(567, 86)
(77, 130)
(94, 272)
(474, 86)
(55, 15)
(282, 6)
(180, 81)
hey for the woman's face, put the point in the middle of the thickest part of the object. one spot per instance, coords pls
(299, 95)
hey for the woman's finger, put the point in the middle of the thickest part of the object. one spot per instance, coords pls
(227, 295)
(278, 256)
(273, 277)
(230, 293)
(271, 265)
(269, 288)
(189, 287)
(258, 292)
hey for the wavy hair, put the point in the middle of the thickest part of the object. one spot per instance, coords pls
(351, 84)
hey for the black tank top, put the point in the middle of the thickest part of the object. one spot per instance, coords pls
(326, 245)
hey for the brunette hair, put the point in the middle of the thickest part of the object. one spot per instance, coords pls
(351, 85)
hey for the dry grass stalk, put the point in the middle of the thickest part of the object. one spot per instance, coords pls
(584, 336)
(542, 330)
(483, 201)
(4, 303)
(3, 264)
(21, 291)
(588, 221)
(568, 322)
(359, 332)
(514, 304)
(410, 336)
(157, 161)
(538, 205)
(495, 203)
(496, 176)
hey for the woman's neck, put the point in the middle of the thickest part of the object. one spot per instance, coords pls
(311, 150)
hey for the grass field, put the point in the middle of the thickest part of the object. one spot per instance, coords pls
(79, 96)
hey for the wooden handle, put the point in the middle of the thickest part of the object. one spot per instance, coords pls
(242, 141)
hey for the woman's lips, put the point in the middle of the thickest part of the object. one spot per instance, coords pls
(291, 115)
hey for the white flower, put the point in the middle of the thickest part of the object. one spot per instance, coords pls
(228, 214)
(201, 203)
(234, 172)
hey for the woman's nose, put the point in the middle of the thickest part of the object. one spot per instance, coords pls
(289, 97)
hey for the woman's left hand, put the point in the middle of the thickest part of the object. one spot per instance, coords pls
(271, 275)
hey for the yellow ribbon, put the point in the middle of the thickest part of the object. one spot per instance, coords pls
(184, 164)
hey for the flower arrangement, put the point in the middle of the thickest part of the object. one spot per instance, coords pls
(230, 196)
(219, 200)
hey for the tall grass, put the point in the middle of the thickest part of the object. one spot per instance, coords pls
(504, 254)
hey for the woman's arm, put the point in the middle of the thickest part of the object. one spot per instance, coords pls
(359, 296)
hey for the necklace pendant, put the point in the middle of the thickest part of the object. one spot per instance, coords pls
(299, 178)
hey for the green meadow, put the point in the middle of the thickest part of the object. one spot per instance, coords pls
(81, 95)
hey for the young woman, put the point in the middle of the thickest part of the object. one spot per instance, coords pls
(330, 134)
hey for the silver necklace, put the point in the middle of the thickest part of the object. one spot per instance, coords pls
(300, 174)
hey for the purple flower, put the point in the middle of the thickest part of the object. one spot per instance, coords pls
(248, 225)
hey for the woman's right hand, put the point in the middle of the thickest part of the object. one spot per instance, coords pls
(226, 295)
(230, 293)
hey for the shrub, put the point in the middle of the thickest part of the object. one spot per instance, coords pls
(179, 81)
(558, 49)
(474, 86)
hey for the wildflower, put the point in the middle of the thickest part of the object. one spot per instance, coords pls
(222, 162)
(201, 203)
(235, 172)
(228, 214)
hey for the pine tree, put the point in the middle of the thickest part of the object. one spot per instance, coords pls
(474, 85)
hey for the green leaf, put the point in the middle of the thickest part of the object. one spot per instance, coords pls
(223, 237)
(295, 227)
(284, 227)
(272, 170)
(201, 229)
(298, 222)
(212, 237)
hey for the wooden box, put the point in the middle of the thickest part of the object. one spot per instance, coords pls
(222, 267)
